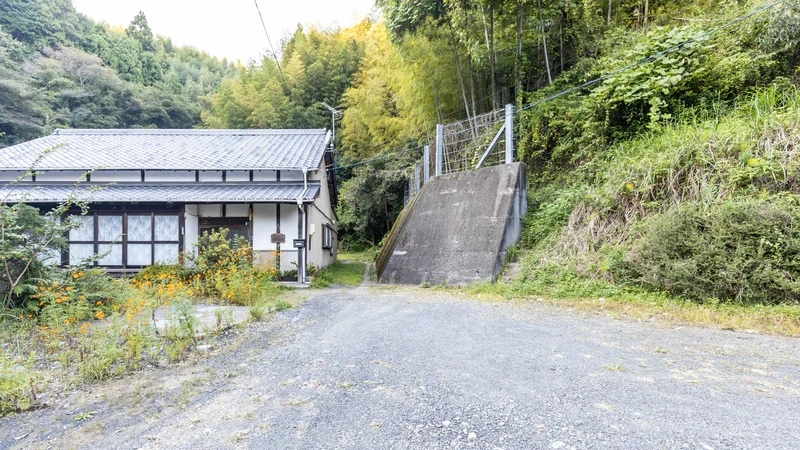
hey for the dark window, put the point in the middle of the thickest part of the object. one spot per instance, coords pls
(327, 237)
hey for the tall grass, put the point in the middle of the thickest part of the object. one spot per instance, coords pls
(747, 153)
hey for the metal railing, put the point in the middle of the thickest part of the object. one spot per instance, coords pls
(480, 141)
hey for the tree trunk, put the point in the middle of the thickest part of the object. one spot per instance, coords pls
(561, 44)
(518, 62)
(491, 54)
(472, 86)
(544, 42)
(646, 9)
(454, 45)
(608, 21)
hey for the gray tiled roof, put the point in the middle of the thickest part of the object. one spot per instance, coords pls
(162, 192)
(170, 150)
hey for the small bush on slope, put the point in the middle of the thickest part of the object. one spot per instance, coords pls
(686, 209)
(746, 251)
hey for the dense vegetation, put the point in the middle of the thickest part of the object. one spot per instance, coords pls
(81, 325)
(60, 69)
(676, 174)
(693, 147)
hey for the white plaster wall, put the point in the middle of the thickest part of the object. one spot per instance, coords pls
(264, 225)
(289, 218)
(316, 254)
(214, 210)
(70, 176)
(288, 256)
(291, 175)
(237, 210)
(11, 175)
(265, 175)
(210, 175)
(191, 229)
(116, 175)
(237, 175)
(169, 175)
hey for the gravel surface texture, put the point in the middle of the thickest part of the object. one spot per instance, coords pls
(374, 368)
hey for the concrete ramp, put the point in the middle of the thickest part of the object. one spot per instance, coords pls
(457, 229)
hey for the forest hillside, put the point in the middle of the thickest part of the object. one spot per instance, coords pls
(59, 69)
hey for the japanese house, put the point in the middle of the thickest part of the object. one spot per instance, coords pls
(153, 192)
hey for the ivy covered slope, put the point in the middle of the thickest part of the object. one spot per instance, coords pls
(679, 175)
(60, 69)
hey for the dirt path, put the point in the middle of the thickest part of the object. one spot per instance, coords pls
(409, 368)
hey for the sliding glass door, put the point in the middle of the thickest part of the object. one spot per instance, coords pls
(126, 239)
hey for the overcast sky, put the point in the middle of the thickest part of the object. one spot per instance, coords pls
(227, 28)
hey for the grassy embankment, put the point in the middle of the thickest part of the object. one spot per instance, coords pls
(694, 222)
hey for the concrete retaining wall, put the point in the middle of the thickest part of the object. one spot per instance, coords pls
(458, 229)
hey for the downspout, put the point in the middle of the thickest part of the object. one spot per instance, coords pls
(301, 267)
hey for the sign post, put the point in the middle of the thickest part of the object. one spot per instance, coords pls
(300, 244)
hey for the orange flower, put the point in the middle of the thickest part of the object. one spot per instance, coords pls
(68, 288)
(99, 315)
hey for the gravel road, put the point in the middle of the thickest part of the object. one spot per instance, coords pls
(374, 368)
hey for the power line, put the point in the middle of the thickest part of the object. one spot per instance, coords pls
(386, 155)
(274, 55)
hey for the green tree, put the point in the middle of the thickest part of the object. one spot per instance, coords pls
(141, 32)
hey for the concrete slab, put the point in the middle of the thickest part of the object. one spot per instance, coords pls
(296, 284)
(458, 229)
(207, 316)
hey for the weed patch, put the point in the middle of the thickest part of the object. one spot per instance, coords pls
(341, 274)
(637, 303)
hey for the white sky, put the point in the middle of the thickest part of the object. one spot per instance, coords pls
(228, 28)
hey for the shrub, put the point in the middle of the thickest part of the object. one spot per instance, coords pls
(163, 271)
(27, 238)
(744, 251)
(226, 270)
(214, 250)
(82, 294)
(258, 309)
(281, 305)
(18, 386)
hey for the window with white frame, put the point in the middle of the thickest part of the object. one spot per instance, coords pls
(126, 240)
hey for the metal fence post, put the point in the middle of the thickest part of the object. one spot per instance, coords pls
(439, 146)
(509, 134)
(416, 178)
(426, 162)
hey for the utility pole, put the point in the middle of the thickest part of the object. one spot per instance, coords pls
(334, 113)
